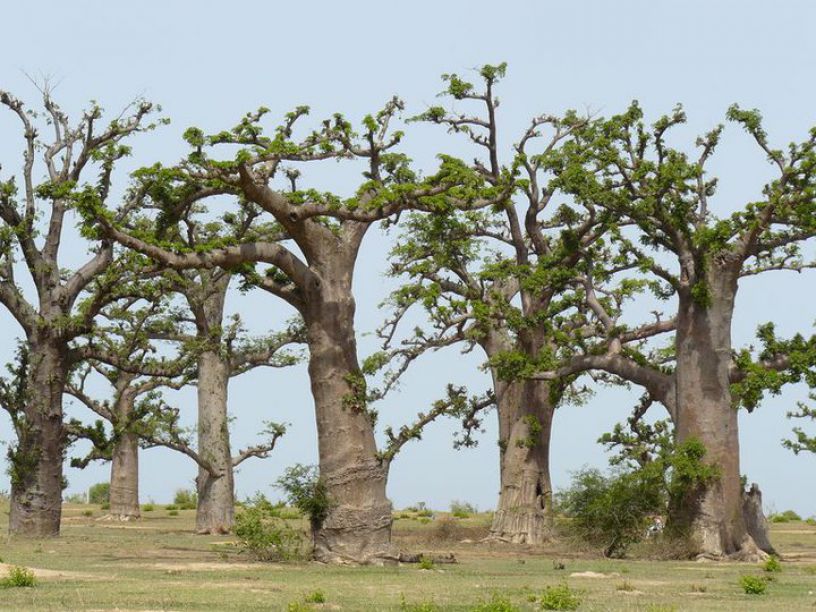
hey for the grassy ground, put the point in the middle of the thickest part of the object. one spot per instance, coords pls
(158, 564)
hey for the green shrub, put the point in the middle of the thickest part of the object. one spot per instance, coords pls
(496, 603)
(426, 563)
(148, 508)
(87, 513)
(18, 577)
(811, 520)
(425, 513)
(264, 534)
(772, 564)
(186, 499)
(316, 597)
(791, 515)
(613, 511)
(99, 493)
(172, 513)
(105, 506)
(170, 507)
(754, 585)
(462, 509)
(307, 492)
(559, 597)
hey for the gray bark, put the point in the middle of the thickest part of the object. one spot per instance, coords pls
(36, 483)
(713, 514)
(524, 511)
(755, 520)
(216, 498)
(358, 526)
(124, 480)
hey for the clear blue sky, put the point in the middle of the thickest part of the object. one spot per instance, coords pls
(209, 62)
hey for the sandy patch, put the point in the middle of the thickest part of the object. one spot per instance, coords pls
(593, 575)
(45, 573)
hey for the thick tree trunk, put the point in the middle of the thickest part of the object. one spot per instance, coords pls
(524, 511)
(216, 496)
(711, 515)
(36, 461)
(124, 481)
(358, 525)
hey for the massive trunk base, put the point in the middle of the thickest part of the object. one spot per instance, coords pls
(524, 510)
(36, 460)
(215, 513)
(36, 489)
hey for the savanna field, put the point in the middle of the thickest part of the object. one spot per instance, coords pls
(157, 563)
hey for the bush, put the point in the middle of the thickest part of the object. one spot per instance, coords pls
(186, 499)
(18, 577)
(264, 534)
(754, 585)
(613, 511)
(316, 597)
(170, 507)
(75, 498)
(496, 604)
(772, 564)
(307, 492)
(87, 513)
(462, 509)
(445, 528)
(426, 563)
(172, 513)
(811, 520)
(99, 493)
(148, 507)
(559, 597)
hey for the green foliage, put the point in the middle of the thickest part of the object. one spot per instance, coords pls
(560, 597)
(462, 509)
(264, 534)
(772, 564)
(148, 507)
(315, 597)
(534, 430)
(425, 606)
(426, 563)
(307, 492)
(784, 517)
(185, 499)
(18, 577)
(754, 585)
(613, 511)
(99, 493)
(172, 513)
(496, 603)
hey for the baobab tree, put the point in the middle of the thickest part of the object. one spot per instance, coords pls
(312, 270)
(626, 167)
(78, 162)
(507, 279)
(136, 410)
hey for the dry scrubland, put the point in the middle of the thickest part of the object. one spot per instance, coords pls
(158, 564)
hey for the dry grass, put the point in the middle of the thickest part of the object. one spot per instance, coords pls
(158, 564)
